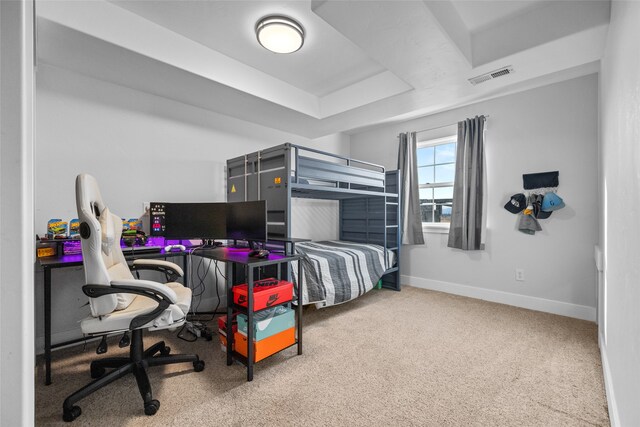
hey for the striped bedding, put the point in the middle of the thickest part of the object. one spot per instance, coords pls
(339, 271)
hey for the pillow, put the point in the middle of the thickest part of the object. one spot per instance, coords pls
(107, 230)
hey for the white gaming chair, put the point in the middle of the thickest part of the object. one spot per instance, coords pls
(121, 303)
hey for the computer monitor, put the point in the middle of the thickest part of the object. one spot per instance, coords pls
(247, 221)
(195, 220)
(235, 221)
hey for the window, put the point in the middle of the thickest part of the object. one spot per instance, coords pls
(436, 173)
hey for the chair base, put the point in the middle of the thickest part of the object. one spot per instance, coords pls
(137, 363)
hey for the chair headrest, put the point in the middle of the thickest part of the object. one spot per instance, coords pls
(90, 205)
(88, 197)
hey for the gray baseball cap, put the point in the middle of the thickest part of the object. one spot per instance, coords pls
(528, 224)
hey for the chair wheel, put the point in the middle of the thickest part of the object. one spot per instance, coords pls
(71, 414)
(97, 372)
(151, 407)
(165, 350)
(198, 365)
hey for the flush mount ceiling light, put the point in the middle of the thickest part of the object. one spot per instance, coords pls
(279, 34)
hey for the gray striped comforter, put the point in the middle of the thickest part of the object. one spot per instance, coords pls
(339, 271)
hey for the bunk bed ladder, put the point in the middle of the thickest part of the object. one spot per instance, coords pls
(246, 162)
(391, 279)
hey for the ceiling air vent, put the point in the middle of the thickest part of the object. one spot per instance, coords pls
(491, 75)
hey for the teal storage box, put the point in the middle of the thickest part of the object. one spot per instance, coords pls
(268, 322)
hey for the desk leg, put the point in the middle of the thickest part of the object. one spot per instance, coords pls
(250, 348)
(299, 307)
(185, 267)
(47, 325)
(229, 273)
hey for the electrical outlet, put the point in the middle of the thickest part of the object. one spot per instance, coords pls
(519, 275)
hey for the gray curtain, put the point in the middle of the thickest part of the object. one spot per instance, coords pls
(467, 222)
(408, 165)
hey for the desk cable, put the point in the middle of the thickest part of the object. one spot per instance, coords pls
(195, 327)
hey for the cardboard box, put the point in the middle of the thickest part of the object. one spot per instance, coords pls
(57, 228)
(222, 324)
(264, 296)
(268, 322)
(46, 249)
(223, 343)
(267, 346)
(74, 228)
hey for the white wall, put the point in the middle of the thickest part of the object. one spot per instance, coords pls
(619, 234)
(16, 214)
(140, 147)
(544, 129)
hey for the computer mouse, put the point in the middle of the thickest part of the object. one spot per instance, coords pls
(259, 253)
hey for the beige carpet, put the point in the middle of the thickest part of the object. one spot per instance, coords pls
(410, 358)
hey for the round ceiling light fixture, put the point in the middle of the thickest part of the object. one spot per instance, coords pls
(280, 34)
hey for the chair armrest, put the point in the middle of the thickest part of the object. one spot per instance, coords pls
(146, 286)
(158, 265)
(163, 295)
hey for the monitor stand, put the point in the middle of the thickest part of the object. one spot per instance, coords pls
(210, 244)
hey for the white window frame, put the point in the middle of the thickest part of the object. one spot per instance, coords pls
(436, 227)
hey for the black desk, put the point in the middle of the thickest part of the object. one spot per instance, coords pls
(239, 256)
(50, 263)
(289, 243)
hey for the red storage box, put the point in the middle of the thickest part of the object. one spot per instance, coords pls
(222, 324)
(264, 293)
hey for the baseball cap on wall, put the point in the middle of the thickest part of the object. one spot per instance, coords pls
(536, 201)
(516, 204)
(552, 202)
(528, 224)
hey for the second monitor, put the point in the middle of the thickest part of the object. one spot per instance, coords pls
(234, 221)
(247, 221)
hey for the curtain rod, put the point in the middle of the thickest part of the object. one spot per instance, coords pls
(444, 126)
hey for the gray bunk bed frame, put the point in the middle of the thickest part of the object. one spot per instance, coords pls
(369, 196)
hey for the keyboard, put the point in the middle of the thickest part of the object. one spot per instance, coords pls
(141, 250)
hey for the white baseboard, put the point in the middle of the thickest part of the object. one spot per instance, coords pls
(532, 303)
(60, 337)
(614, 418)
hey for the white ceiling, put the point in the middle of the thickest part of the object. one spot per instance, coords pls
(363, 62)
(328, 62)
(480, 14)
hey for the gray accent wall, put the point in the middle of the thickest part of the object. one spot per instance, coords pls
(548, 128)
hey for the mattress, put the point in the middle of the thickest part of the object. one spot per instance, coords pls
(339, 271)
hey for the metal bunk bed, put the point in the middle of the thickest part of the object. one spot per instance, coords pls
(369, 204)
